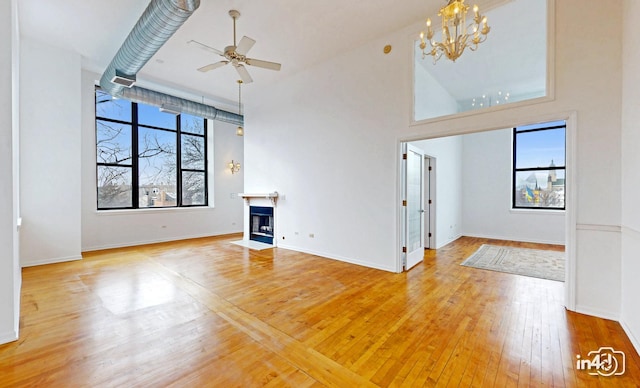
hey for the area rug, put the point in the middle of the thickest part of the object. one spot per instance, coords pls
(521, 261)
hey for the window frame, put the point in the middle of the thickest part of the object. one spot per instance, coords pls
(134, 166)
(515, 170)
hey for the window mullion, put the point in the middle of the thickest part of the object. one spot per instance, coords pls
(135, 194)
(514, 170)
(206, 163)
(178, 162)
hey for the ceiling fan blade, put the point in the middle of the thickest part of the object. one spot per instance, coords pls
(212, 66)
(244, 74)
(245, 45)
(263, 64)
(205, 47)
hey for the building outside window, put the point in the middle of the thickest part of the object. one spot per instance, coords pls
(539, 166)
(148, 159)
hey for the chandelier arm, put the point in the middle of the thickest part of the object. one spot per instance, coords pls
(436, 56)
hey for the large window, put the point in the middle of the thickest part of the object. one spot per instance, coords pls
(539, 166)
(148, 159)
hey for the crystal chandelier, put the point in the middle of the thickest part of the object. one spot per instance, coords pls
(455, 37)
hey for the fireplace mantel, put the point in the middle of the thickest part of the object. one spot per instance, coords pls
(272, 196)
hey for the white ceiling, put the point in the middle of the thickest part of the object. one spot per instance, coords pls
(294, 33)
(297, 34)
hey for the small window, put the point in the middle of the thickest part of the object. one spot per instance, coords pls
(539, 169)
(146, 158)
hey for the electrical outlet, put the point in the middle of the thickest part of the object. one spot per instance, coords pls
(311, 235)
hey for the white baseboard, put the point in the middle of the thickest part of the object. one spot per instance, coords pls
(634, 340)
(8, 336)
(598, 313)
(338, 258)
(449, 241)
(33, 263)
(154, 241)
(511, 238)
(599, 227)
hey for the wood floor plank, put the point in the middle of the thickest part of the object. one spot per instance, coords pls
(205, 312)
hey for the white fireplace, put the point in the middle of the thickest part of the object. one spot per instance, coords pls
(260, 218)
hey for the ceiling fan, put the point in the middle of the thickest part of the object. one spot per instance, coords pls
(236, 54)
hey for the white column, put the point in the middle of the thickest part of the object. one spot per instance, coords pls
(9, 262)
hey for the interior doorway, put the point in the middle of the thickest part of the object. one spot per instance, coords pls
(413, 204)
(448, 227)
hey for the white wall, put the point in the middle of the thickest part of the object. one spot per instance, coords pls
(58, 170)
(328, 137)
(486, 198)
(10, 278)
(630, 267)
(108, 229)
(431, 99)
(50, 153)
(448, 184)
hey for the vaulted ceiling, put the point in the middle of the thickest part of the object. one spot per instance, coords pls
(297, 34)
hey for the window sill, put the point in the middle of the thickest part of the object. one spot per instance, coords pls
(121, 212)
(546, 212)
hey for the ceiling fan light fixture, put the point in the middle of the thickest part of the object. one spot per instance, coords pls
(240, 129)
(236, 54)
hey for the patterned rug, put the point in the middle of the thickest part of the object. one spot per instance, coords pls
(521, 261)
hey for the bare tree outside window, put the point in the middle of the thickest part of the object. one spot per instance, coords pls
(114, 152)
(194, 151)
(161, 155)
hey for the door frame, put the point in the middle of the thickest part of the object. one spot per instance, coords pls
(408, 148)
(430, 195)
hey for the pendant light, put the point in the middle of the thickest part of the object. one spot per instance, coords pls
(240, 129)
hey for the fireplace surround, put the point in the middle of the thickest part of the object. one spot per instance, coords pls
(260, 222)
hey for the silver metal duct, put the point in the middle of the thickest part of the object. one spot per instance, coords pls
(158, 23)
(146, 96)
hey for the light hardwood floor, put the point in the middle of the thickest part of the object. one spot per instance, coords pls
(206, 312)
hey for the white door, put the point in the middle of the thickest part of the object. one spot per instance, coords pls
(414, 206)
(428, 215)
